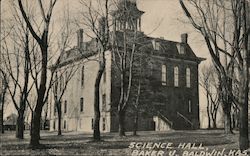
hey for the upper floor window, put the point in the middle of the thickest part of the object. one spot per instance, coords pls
(189, 106)
(188, 76)
(180, 48)
(82, 76)
(164, 75)
(156, 45)
(65, 106)
(151, 68)
(81, 104)
(176, 76)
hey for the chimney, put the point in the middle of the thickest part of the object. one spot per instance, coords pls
(80, 38)
(184, 38)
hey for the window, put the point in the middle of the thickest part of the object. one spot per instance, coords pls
(82, 76)
(54, 125)
(188, 75)
(176, 76)
(151, 68)
(156, 45)
(103, 102)
(103, 124)
(163, 75)
(64, 124)
(92, 123)
(80, 123)
(81, 104)
(55, 109)
(104, 76)
(65, 106)
(189, 106)
(180, 48)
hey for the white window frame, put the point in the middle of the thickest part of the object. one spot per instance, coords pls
(188, 77)
(164, 75)
(176, 76)
(189, 106)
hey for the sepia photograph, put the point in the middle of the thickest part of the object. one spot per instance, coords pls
(124, 77)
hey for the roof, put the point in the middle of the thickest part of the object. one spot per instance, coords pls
(75, 54)
(167, 48)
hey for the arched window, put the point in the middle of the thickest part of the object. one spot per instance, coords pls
(64, 124)
(189, 106)
(176, 76)
(65, 106)
(81, 104)
(188, 76)
(82, 76)
(164, 75)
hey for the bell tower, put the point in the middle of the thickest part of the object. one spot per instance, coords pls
(127, 16)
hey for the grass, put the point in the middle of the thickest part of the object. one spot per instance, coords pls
(75, 143)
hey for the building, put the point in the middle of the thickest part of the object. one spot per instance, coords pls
(171, 73)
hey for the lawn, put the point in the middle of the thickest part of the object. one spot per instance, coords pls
(186, 143)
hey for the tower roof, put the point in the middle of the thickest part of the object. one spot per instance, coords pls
(127, 8)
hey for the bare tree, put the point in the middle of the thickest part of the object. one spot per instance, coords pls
(213, 25)
(3, 87)
(97, 20)
(226, 22)
(209, 81)
(42, 41)
(18, 87)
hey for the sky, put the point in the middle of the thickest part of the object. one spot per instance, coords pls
(162, 18)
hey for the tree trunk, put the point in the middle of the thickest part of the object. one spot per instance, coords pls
(59, 113)
(135, 123)
(243, 138)
(2, 101)
(59, 123)
(20, 124)
(227, 122)
(244, 87)
(121, 117)
(35, 128)
(208, 112)
(214, 123)
(31, 122)
(1, 118)
(96, 133)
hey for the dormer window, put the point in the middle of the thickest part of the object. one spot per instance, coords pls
(181, 48)
(156, 45)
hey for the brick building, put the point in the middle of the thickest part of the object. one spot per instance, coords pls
(170, 70)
